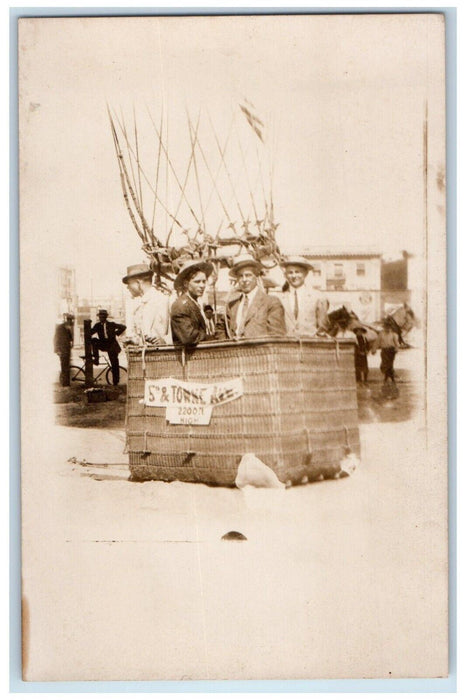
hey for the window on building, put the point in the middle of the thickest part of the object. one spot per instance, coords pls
(360, 269)
(338, 270)
(317, 269)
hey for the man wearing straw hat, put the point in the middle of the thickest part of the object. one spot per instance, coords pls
(151, 312)
(252, 313)
(188, 322)
(305, 311)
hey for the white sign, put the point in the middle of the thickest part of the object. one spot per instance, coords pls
(189, 415)
(190, 402)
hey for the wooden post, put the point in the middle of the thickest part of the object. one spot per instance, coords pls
(88, 364)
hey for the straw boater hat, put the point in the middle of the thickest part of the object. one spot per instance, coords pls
(297, 260)
(245, 261)
(140, 270)
(192, 266)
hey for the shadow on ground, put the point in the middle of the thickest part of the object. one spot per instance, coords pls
(73, 409)
(379, 404)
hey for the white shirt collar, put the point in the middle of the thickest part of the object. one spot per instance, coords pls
(299, 290)
(149, 292)
(250, 295)
(193, 299)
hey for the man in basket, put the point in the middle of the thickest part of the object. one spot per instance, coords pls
(151, 314)
(305, 309)
(251, 313)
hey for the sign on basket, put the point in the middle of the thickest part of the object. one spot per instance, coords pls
(190, 403)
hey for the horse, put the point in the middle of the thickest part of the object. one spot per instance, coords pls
(401, 320)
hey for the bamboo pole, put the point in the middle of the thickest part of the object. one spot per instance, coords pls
(157, 174)
(256, 216)
(157, 242)
(214, 184)
(145, 226)
(174, 172)
(226, 170)
(193, 150)
(219, 167)
(125, 134)
(184, 183)
(123, 184)
(141, 202)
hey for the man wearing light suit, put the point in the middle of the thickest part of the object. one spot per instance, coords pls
(252, 313)
(305, 310)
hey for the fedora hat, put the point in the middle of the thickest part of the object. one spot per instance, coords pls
(191, 267)
(102, 312)
(297, 260)
(140, 270)
(245, 261)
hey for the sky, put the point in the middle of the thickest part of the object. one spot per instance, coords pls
(343, 100)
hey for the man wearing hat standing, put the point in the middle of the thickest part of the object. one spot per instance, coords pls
(387, 342)
(151, 311)
(305, 311)
(252, 313)
(63, 342)
(188, 322)
(360, 355)
(107, 332)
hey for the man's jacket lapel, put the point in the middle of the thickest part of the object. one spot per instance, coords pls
(196, 310)
(258, 301)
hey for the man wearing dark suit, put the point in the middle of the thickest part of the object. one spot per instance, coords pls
(107, 332)
(188, 323)
(63, 342)
(253, 313)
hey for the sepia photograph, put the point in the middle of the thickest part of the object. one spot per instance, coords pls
(234, 451)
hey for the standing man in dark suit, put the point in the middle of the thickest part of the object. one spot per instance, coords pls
(188, 322)
(107, 332)
(252, 313)
(63, 342)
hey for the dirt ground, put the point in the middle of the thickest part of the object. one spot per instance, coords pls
(133, 581)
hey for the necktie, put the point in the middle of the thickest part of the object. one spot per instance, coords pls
(240, 329)
(296, 307)
(105, 330)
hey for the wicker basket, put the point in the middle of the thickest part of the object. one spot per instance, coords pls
(298, 412)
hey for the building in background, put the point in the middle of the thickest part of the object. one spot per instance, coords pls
(396, 287)
(67, 296)
(350, 278)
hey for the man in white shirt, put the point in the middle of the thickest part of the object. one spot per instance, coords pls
(151, 312)
(305, 309)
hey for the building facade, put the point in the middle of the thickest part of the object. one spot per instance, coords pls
(350, 278)
(66, 287)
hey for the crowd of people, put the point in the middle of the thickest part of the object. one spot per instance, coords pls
(249, 313)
